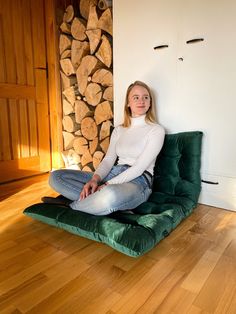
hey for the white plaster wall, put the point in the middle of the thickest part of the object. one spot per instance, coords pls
(197, 93)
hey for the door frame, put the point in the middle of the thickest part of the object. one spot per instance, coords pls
(54, 84)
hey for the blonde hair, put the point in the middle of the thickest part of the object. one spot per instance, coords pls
(150, 115)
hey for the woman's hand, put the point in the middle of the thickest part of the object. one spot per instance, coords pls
(90, 187)
(100, 187)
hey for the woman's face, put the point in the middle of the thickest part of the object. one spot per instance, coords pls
(139, 101)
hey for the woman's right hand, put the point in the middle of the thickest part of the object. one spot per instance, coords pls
(89, 188)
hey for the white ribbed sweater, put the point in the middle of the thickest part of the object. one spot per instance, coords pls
(137, 146)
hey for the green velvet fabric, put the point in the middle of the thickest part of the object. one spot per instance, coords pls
(176, 189)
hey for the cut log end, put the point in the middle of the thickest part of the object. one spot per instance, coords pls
(78, 29)
(104, 4)
(103, 112)
(105, 21)
(104, 53)
(97, 158)
(69, 14)
(89, 128)
(93, 94)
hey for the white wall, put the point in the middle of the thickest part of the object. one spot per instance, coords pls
(197, 93)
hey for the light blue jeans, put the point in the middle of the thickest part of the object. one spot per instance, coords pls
(112, 197)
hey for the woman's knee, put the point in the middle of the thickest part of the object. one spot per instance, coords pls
(110, 196)
(53, 178)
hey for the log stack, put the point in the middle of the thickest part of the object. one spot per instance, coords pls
(85, 47)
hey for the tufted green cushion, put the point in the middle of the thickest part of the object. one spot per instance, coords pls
(177, 172)
(177, 166)
(175, 193)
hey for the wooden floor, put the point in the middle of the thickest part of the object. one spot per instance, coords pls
(47, 270)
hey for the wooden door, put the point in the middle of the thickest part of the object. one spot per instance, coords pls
(24, 110)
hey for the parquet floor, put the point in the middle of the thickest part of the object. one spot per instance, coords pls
(47, 270)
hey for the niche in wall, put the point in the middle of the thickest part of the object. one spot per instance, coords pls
(86, 69)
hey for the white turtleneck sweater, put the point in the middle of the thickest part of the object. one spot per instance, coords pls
(136, 146)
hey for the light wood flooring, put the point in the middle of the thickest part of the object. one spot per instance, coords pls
(47, 270)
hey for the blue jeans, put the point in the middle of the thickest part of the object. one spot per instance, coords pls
(112, 197)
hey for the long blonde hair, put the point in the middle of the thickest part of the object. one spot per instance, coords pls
(150, 115)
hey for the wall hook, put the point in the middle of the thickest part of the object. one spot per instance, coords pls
(160, 47)
(195, 40)
(209, 182)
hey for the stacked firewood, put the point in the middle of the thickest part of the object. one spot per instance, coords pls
(85, 47)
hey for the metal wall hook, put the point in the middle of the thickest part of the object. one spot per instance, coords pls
(195, 40)
(161, 47)
(209, 182)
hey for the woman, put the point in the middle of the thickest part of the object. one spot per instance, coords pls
(136, 143)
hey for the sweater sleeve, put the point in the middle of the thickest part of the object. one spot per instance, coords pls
(110, 157)
(155, 140)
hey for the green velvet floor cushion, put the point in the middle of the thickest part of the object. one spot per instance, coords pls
(177, 170)
(131, 234)
(175, 193)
